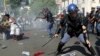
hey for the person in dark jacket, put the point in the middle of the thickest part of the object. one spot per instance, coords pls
(47, 14)
(98, 21)
(75, 27)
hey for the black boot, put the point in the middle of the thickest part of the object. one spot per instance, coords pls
(98, 34)
(59, 49)
(90, 49)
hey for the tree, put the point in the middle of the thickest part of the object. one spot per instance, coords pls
(6, 2)
(39, 4)
(15, 3)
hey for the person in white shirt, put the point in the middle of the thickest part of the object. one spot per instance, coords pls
(15, 30)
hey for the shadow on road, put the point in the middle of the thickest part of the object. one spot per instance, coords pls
(25, 37)
(75, 47)
(97, 43)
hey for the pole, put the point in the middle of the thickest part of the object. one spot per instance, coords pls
(64, 4)
(72, 1)
(68, 2)
(5, 6)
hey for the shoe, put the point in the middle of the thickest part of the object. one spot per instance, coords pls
(93, 54)
(98, 34)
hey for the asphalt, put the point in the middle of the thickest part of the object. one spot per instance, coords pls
(35, 39)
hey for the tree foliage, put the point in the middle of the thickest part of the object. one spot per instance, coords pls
(37, 5)
(7, 2)
(15, 3)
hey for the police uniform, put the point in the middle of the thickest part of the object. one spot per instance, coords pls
(74, 28)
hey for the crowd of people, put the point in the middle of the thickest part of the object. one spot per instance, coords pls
(69, 24)
(94, 21)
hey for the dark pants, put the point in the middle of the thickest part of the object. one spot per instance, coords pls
(98, 28)
(66, 38)
(49, 27)
(7, 34)
(62, 32)
(91, 27)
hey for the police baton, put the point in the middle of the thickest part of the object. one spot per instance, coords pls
(35, 18)
(48, 41)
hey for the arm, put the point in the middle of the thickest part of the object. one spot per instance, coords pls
(84, 22)
(85, 34)
(59, 28)
(39, 18)
(84, 25)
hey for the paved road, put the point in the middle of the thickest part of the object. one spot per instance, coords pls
(35, 39)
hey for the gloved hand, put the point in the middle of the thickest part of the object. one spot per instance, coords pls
(87, 41)
(84, 29)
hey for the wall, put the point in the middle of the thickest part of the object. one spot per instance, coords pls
(86, 4)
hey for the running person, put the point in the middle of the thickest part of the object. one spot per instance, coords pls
(49, 18)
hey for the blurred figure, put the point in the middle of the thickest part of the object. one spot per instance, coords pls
(49, 18)
(75, 28)
(98, 21)
(15, 30)
(5, 26)
(64, 12)
(91, 20)
(61, 19)
(86, 19)
(50, 21)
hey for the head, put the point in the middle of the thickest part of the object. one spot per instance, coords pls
(7, 16)
(92, 9)
(87, 13)
(98, 8)
(12, 20)
(61, 16)
(73, 10)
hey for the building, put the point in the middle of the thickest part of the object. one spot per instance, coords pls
(84, 5)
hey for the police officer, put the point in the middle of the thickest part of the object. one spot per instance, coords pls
(74, 28)
(98, 21)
